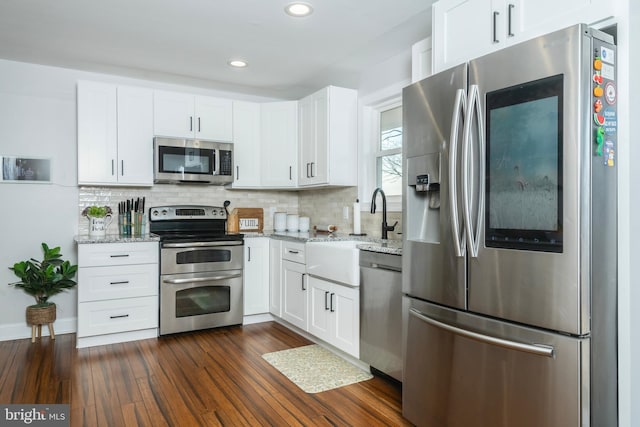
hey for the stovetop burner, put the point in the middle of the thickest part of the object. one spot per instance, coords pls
(190, 223)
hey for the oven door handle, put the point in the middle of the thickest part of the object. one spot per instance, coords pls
(202, 279)
(202, 244)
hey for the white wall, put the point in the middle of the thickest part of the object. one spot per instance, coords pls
(37, 119)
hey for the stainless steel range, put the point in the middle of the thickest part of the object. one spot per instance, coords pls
(200, 268)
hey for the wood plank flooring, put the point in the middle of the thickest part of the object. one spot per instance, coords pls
(210, 378)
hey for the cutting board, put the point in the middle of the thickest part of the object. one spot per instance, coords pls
(242, 220)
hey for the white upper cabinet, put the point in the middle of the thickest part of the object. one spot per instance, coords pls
(421, 60)
(246, 147)
(265, 144)
(327, 146)
(467, 29)
(279, 144)
(183, 115)
(115, 134)
(135, 135)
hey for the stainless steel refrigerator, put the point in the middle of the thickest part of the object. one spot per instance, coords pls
(509, 264)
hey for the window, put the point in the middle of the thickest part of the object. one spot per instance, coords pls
(380, 147)
(389, 151)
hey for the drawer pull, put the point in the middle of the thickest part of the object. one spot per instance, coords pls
(120, 256)
(291, 251)
(119, 317)
(123, 282)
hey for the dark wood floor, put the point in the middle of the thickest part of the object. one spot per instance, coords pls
(214, 377)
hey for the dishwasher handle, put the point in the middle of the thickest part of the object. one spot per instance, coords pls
(379, 266)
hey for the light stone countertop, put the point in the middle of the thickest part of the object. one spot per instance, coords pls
(116, 238)
(393, 247)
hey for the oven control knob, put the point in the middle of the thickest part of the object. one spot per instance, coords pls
(164, 212)
(154, 212)
(214, 212)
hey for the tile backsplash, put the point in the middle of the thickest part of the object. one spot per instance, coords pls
(172, 194)
(322, 206)
(325, 206)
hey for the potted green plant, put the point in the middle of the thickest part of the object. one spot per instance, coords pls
(99, 219)
(42, 280)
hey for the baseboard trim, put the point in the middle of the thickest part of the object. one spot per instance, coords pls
(16, 331)
(257, 318)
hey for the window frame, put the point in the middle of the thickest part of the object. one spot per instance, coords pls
(372, 107)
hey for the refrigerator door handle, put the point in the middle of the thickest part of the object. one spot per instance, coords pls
(473, 106)
(537, 349)
(459, 239)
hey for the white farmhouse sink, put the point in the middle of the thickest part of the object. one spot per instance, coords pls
(338, 261)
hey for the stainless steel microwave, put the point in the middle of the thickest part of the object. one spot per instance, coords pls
(192, 161)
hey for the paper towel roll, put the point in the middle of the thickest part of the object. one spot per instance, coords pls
(356, 217)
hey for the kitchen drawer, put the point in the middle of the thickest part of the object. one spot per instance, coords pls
(103, 283)
(104, 254)
(293, 251)
(118, 315)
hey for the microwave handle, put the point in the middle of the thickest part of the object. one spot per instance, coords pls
(216, 166)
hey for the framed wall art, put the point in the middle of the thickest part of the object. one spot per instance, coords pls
(25, 169)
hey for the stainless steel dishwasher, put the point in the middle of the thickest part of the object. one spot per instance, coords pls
(381, 312)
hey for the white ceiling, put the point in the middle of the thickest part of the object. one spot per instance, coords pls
(190, 41)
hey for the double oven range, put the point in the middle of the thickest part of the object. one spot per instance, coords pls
(200, 268)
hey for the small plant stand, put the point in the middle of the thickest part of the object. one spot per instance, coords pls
(38, 316)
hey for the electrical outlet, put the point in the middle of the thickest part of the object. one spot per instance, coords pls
(345, 212)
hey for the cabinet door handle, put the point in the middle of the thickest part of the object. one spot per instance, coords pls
(198, 124)
(119, 317)
(122, 282)
(190, 123)
(113, 167)
(326, 302)
(290, 178)
(510, 32)
(308, 170)
(249, 257)
(237, 173)
(495, 22)
(122, 167)
(331, 302)
(312, 174)
(119, 256)
(304, 288)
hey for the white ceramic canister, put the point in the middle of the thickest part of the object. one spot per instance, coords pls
(303, 224)
(292, 222)
(280, 221)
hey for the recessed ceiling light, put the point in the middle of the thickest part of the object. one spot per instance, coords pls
(299, 9)
(237, 63)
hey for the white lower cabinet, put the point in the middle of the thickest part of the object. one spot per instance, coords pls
(334, 314)
(256, 275)
(327, 310)
(117, 292)
(294, 294)
(275, 274)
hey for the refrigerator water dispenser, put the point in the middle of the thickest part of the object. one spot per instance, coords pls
(423, 198)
